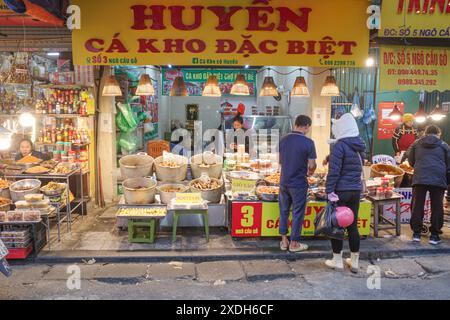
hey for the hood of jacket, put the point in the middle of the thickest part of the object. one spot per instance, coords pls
(345, 127)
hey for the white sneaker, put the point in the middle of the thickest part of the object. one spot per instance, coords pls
(353, 262)
(335, 263)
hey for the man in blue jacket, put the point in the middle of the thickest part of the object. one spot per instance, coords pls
(298, 160)
(430, 157)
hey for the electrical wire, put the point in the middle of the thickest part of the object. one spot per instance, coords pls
(295, 70)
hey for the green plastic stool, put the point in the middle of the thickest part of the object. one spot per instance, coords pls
(178, 213)
(147, 233)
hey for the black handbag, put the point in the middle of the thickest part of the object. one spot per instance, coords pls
(326, 225)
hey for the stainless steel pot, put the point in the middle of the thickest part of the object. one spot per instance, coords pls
(136, 166)
(32, 186)
(139, 191)
(166, 197)
(213, 195)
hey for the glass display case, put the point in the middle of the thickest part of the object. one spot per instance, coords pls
(260, 141)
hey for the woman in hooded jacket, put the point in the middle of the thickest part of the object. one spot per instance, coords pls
(344, 184)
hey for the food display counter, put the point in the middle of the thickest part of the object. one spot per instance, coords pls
(256, 213)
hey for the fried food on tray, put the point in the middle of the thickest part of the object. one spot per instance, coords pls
(4, 202)
(37, 170)
(268, 190)
(28, 159)
(143, 212)
(50, 164)
(407, 168)
(169, 164)
(4, 184)
(171, 189)
(53, 186)
(60, 170)
(274, 178)
(202, 185)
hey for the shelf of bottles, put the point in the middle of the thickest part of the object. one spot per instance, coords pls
(53, 101)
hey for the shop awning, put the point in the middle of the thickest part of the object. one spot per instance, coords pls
(49, 12)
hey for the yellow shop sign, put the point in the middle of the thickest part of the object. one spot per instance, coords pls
(222, 33)
(415, 19)
(414, 68)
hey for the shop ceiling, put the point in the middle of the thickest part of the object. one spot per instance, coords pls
(14, 39)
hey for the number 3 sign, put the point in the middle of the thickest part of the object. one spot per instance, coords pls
(247, 219)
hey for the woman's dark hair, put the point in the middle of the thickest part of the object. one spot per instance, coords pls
(239, 119)
(432, 129)
(303, 121)
(29, 141)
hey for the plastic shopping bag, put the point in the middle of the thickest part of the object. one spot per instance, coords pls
(326, 225)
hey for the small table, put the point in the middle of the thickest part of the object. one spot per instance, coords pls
(378, 217)
(179, 210)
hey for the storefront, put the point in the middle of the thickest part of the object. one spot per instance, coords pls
(180, 99)
(170, 88)
(48, 108)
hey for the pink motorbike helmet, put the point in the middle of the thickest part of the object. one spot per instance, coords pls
(344, 216)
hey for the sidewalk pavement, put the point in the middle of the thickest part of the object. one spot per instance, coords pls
(96, 237)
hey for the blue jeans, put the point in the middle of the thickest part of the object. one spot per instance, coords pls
(295, 198)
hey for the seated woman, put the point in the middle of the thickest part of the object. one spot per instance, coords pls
(26, 148)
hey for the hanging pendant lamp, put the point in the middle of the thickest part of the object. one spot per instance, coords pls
(212, 88)
(269, 88)
(111, 88)
(395, 114)
(145, 87)
(421, 115)
(330, 88)
(438, 114)
(300, 88)
(179, 88)
(240, 86)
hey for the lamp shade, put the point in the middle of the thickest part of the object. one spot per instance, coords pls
(437, 114)
(240, 86)
(212, 88)
(300, 88)
(145, 87)
(269, 88)
(111, 88)
(330, 89)
(179, 88)
(421, 115)
(395, 114)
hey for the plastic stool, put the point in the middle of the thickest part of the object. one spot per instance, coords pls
(148, 236)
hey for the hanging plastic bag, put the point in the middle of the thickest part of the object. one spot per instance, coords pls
(129, 141)
(326, 223)
(125, 119)
(356, 111)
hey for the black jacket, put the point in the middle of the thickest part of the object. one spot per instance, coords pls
(345, 165)
(430, 157)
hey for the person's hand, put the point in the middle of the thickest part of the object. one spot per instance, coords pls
(333, 197)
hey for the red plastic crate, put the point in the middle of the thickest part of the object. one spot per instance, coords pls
(19, 254)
